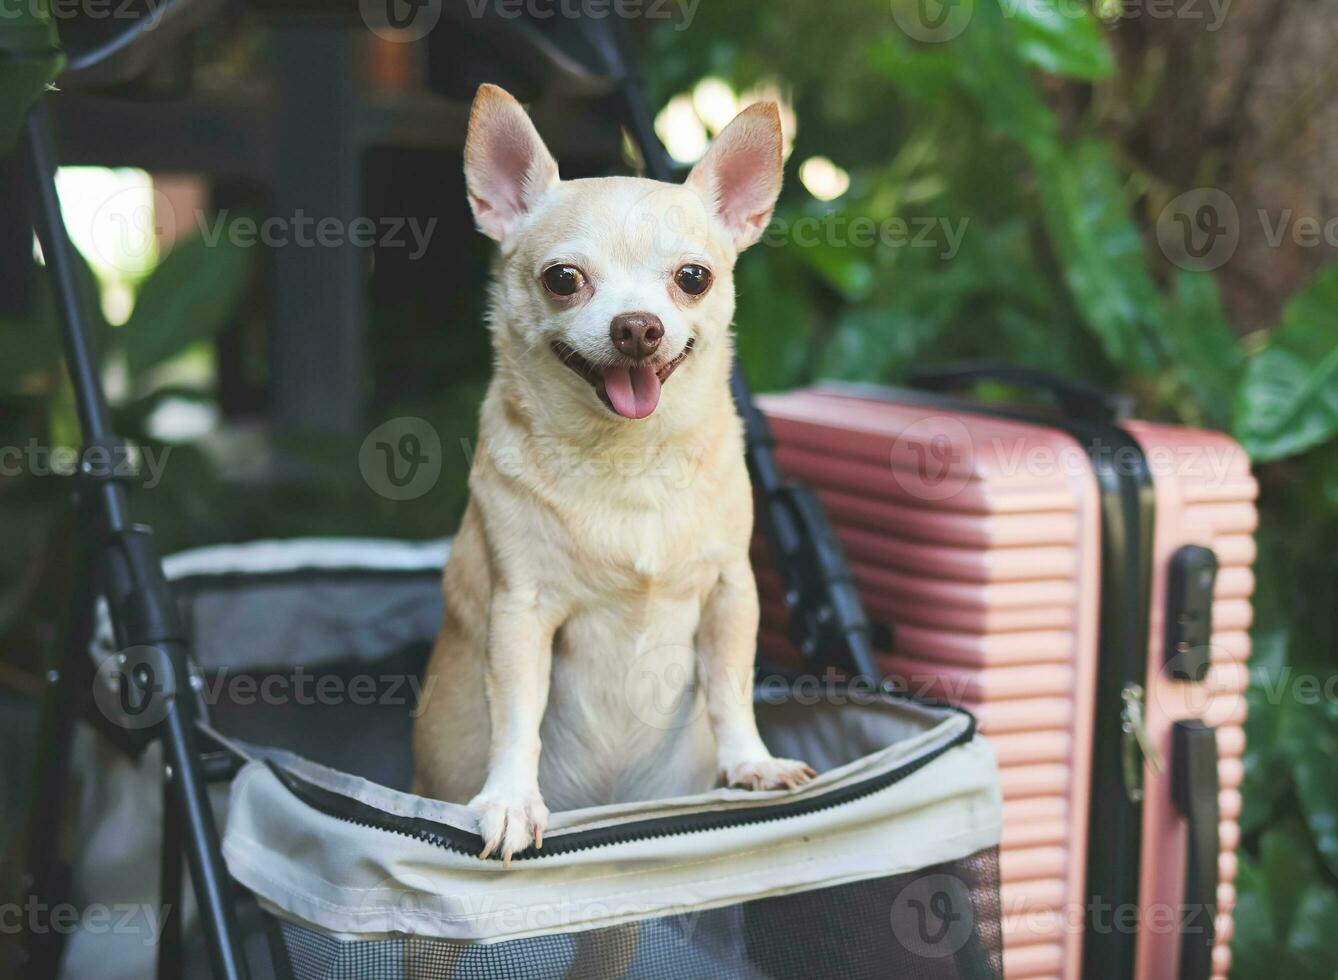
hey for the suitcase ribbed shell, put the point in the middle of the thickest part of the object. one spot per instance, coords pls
(977, 539)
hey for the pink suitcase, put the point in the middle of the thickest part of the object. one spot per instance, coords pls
(1082, 584)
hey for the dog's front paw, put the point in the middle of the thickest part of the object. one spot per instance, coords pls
(510, 824)
(768, 773)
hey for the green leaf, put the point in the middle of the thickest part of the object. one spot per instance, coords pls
(844, 266)
(1254, 946)
(1288, 401)
(1284, 860)
(989, 68)
(772, 319)
(1204, 351)
(28, 343)
(1285, 920)
(1309, 324)
(1084, 200)
(870, 345)
(924, 74)
(188, 298)
(30, 57)
(1286, 404)
(1314, 928)
(1267, 770)
(1059, 36)
(1310, 740)
(922, 292)
(1100, 252)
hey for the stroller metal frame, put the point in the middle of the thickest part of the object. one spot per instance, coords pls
(122, 564)
(119, 560)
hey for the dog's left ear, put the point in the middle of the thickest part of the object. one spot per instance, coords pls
(507, 166)
(741, 172)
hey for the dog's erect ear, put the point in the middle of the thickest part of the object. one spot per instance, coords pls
(741, 172)
(507, 166)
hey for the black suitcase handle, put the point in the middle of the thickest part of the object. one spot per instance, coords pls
(1194, 786)
(1073, 398)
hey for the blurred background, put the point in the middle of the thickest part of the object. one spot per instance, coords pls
(1139, 194)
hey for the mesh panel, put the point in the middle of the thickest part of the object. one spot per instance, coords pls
(938, 922)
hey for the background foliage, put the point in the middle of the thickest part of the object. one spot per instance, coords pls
(1058, 138)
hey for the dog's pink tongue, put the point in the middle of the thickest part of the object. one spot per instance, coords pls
(633, 392)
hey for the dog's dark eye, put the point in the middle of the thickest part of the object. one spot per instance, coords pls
(693, 279)
(563, 280)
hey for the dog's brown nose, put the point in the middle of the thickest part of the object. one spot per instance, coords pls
(636, 334)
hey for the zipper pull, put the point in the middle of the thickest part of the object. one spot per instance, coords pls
(1138, 745)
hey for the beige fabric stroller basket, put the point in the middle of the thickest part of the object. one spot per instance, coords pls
(308, 657)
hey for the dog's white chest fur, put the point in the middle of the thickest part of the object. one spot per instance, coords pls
(625, 718)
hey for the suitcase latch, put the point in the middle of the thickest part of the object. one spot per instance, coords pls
(1138, 743)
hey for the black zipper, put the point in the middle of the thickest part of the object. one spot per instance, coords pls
(454, 839)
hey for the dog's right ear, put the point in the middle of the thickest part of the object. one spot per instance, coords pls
(507, 166)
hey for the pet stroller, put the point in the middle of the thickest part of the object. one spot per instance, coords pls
(206, 674)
